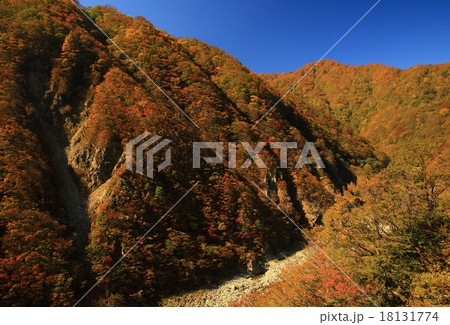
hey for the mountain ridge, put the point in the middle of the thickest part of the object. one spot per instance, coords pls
(365, 97)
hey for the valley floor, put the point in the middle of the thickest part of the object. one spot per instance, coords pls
(239, 286)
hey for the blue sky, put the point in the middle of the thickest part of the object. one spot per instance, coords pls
(279, 36)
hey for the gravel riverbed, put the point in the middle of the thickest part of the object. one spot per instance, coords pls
(235, 288)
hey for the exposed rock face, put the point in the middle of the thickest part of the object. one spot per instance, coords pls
(312, 214)
(255, 267)
(94, 164)
(103, 194)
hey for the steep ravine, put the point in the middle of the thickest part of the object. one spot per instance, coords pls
(72, 203)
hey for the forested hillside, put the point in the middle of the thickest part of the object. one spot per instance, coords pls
(70, 101)
(390, 231)
(388, 106)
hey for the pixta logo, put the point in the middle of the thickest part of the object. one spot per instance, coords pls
(253, 152)
(141, 148)
(142, 145)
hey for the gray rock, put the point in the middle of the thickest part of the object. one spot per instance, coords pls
(255, 267)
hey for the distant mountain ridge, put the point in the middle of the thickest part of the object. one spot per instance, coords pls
(388, 106)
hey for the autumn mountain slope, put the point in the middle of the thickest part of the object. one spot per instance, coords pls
(390, 231)
(388, 106)
(70, 101)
